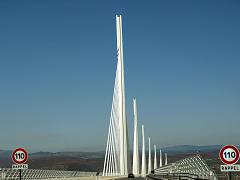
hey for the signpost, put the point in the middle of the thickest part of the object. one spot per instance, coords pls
(19, 157)
(229, 155)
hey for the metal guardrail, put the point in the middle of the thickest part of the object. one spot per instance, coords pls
(9, 174)
(177, 176)
(194, 165)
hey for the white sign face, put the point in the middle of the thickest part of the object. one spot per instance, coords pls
(228, 168)
(229, 154)
(19, 156)
(19, 166)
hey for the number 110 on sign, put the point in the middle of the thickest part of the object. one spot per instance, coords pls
(19, 156)
(229, 154)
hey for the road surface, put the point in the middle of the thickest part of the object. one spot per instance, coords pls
(136, 178)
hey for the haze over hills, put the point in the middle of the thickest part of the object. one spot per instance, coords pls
(191, 149)
(91, 161)
(73, 161)
(84, 155)
(99, 154)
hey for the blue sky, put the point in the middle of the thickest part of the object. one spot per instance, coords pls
(58, 62)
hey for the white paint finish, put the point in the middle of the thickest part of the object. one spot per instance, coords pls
(149, 156)
(160, 159)
(117, 150)
(192, 165)
(135, 169)
(166, 159)
(143, 172)
(230, 168)
(155, 157)
(19, 166)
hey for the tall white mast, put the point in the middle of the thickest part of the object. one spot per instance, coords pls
(135, 141)
(117, 151)
(160, 159)
(122, 120)
(165, 159)
(143, 172)
(149, 156)
(155, 158)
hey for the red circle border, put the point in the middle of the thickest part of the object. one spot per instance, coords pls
(226, 147)
(24, 160)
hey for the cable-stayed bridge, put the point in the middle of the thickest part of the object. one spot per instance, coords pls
(117, 161)
(117, 157)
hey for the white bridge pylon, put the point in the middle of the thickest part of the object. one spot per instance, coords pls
(143, 172)
(117, 150)
(135, 169)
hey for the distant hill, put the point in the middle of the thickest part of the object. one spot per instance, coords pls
(4, 153)
(84, 155)
(73, 161)
(100, 154)
(93, 161)
(191, 149)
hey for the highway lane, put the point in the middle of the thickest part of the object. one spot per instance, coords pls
(149, 177)
(136, 178)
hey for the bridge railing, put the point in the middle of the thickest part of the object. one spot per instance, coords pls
(192, 165)
(9, 174)
(172, 176)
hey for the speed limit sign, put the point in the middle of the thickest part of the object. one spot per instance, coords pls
(229, 154)
(19, 156)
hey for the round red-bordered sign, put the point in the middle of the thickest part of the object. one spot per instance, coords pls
(19, 156)
(229, 154)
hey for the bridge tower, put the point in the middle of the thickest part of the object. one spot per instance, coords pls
(155, 158)
(160, 159)
(143, 172)
(165, 159)
(149, 156)
(117, 150)
(135, 169)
